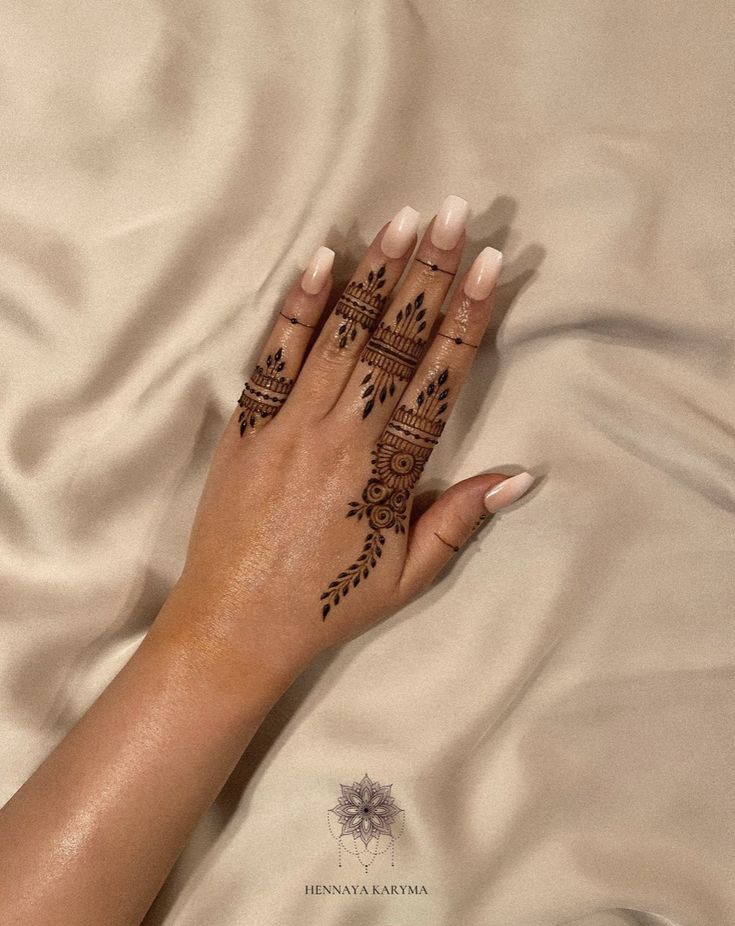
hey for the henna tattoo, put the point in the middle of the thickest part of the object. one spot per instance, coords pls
(296, 321)
(393, 353)
(435, 267)
(398, 460)
(478, 521)
(361, 304)
(446, 542)
(456, 340)
(265, 391)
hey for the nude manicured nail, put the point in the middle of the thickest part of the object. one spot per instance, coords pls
(317, 271)
(400, 233)
(483, 273)
(508, 491)
(450, 222)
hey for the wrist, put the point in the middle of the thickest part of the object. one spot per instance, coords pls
(201, 637)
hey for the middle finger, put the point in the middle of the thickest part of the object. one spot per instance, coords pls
(398, 343)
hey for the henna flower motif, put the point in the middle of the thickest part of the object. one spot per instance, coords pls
(375, 492)
(399, 501)
(366, 810)
(398, 469)
(381, 517)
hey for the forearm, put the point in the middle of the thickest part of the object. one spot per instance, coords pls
(92, 834)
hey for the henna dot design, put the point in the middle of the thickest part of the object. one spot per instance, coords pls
(296, 321)
(455, 339)
(435, 267)
(481, 519)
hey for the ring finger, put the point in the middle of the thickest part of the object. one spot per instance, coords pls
(266, 390)
(430, 396)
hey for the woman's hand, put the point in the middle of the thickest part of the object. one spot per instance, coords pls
(303, 538)
(304, 535)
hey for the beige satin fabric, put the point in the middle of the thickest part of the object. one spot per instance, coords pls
(556, 716)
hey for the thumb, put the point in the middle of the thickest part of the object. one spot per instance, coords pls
(450, 522)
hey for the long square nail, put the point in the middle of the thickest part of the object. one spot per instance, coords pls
(400, 233)
(450, 222)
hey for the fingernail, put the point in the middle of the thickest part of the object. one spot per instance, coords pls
(483, 273)
(317, 271)
(508, 491)
(400, 233)
(450, 222)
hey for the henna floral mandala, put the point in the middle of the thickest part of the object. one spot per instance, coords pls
(397, 463)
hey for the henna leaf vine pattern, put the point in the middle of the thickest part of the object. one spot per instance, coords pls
(265, 392)
(393, 353)
(398, 460)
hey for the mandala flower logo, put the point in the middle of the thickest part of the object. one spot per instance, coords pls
(368, 814)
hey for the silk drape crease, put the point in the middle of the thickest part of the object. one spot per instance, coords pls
(556, 716)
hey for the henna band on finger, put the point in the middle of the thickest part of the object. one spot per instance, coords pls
(456, 340)
(435, 267)
(446, 543)
(296, 321)
(361, 304)
(265, 392)
(478, 522)
(393, 353)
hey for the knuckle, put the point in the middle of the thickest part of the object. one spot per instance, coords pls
(294, 302)
(334, 353)
(427, 278)
(453, 532)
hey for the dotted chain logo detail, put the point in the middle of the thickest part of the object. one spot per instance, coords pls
(370, 819)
